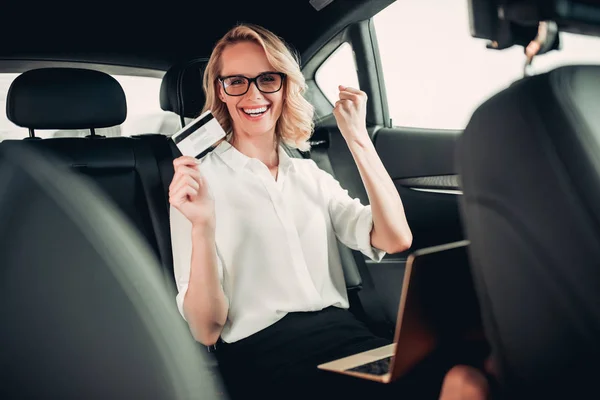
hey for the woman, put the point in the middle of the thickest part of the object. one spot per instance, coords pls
(254, 231)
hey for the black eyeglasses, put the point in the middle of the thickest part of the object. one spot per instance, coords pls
(238, 85)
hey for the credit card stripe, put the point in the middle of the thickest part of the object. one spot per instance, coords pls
(193, 128)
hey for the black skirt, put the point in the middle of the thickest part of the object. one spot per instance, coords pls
(280, 362)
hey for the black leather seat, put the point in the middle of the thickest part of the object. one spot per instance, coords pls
(130, 170)
(85, 314)
(529, 161)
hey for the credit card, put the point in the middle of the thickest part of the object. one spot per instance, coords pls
(199, 135)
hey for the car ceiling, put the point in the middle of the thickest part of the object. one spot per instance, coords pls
(147, 36)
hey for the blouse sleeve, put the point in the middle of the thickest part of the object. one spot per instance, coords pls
(352, 221)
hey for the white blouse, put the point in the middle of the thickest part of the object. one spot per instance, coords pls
(276, 239)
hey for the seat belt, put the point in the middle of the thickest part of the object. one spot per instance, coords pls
(153, 188)
(372, 306)
(164, 156)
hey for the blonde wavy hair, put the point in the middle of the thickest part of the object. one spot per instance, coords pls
(295, 125)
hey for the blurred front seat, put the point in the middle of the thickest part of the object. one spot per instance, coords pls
(84, 312)
(529, 161)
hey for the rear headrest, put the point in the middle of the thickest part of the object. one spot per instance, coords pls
(65, 98)
(181, 90)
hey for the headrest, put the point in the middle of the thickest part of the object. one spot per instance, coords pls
(65, 98)
(181, 90)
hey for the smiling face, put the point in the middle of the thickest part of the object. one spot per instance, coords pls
(254, 113)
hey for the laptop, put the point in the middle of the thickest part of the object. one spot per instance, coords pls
(438, 305)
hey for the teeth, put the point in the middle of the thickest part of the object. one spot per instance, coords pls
(255, 110)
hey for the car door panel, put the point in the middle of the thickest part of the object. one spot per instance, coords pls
(421, 164)
(409, 153)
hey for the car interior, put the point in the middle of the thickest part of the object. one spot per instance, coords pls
(483, 141)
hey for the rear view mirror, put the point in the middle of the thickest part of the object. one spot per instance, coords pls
(508, 22)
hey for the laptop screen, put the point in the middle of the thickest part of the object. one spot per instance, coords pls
(442, 282)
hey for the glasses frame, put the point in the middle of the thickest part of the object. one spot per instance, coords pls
(250, 81)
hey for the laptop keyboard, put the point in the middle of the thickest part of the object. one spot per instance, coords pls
(379, 367)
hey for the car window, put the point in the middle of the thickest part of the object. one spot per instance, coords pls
(144, 114)
(338, 69)
(436, 73)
